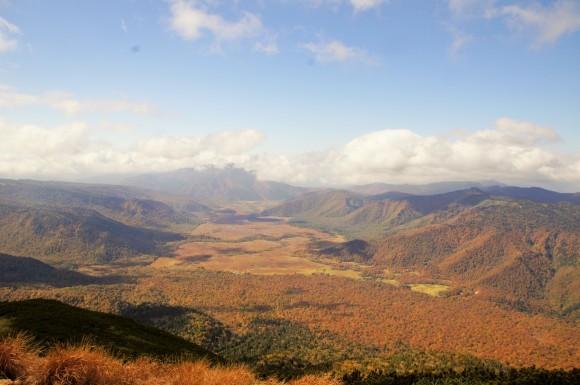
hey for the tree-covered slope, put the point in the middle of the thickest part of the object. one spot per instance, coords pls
(73, 235)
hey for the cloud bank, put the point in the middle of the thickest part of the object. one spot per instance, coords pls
(511, 151)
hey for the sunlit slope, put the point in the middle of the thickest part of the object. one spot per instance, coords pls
(521, 252)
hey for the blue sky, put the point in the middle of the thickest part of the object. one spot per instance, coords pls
(311, 92)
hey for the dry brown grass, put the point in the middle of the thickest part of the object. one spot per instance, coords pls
(89, 365)
(78, 365)
(18, 356)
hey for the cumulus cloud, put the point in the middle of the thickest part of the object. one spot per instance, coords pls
(336, 51)
(189, 20)
(7, 33)
(71, 150)
(69, 104)
(511, 151)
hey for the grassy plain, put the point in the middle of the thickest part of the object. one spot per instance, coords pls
(257, 246)
(269, 245)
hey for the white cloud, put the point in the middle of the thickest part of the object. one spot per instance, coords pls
(363, 5)
(511, 151)
(189, 21)
(546, 24)
(7, 33)
(69, 105)
(71, 151)
(267, 46)
(358, 5)
(460, 40)
(336, 51)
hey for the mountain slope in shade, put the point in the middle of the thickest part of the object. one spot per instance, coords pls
(216, 185)
(50, 322)
(17, 270)
(73, 235)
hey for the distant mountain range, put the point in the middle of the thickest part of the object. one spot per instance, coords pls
(129, 205)
(421, 189)
(216, 185)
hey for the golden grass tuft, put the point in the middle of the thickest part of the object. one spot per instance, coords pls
(80, 365)
(86, 364)
(18, 356)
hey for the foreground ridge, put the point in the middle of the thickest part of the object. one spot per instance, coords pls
(21, 362)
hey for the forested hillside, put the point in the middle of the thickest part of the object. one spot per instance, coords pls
(73, 235)
(519, 252)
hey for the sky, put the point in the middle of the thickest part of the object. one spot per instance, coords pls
(308, 92)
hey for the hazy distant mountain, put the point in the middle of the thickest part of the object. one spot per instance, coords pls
(216, 185)
(129, 205)
(535, 194)
(421, 189)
